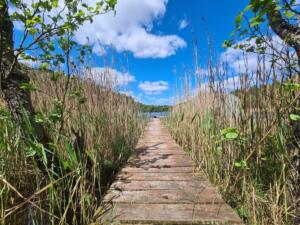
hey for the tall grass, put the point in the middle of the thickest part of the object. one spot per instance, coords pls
(237, 127)
(108, 122)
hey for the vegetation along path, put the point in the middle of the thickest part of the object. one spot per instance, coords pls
(159, 186)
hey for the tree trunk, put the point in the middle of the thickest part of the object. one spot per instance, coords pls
(289, 33)
(19, 100)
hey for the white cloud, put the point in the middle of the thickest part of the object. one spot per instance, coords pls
(31, 63)
(127, 93)
(18, 26)
(103, 75)
(130, 30)
(124, 79)
(240, 61)
(238, 68)
(237, 60)
(153, 88)
(229, 84)
(202, 72)
(183, 24)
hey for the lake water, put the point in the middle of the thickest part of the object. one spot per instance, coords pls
(156, 114)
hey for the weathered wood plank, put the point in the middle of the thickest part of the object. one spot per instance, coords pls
(161, 185)
(158, 145)
(159, 161)
(159, 177)
(159, 150)
(172, 169)
(165, 153)
(162, 156)
(206, 196)
(173, 214)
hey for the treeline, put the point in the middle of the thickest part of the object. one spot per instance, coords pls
(154, 108)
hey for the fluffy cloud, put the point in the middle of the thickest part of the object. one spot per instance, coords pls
(183, 24)
(237, 60)
(127, 93)
(130, 30)
(111, 76)
(152, 88)
(229, 84)
(240, 61)
(31, 63)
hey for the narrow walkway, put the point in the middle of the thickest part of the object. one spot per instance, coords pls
(158, 186)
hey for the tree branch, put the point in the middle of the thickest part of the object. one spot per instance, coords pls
(286, 31)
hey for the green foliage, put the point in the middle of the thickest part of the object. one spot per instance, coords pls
(28, 86)
(73, 161)
(227, 44)
(56, 114)
(294, 117)
(241, 165)
(243, 213)
(291, 86)
(230, 133)
(51, 30)
(252, 24)
(154, 108)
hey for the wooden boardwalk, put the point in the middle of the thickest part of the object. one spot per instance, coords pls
(159, 186)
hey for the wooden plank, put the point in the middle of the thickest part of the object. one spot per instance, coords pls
(207, 196)
(150, 153)
(154, 150)
(173, 214)
(158, 144)
(161, 155)
(171, 169)
(161, 158)
(161, 185)
(159, 164)
(159, 177)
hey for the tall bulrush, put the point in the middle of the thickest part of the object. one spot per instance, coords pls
(93, 128)
(237, 127)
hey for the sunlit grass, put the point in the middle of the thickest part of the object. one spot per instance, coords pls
(110, 125)
(243, 140)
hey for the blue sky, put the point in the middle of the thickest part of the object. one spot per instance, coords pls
(215, 16)
(150, 39)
